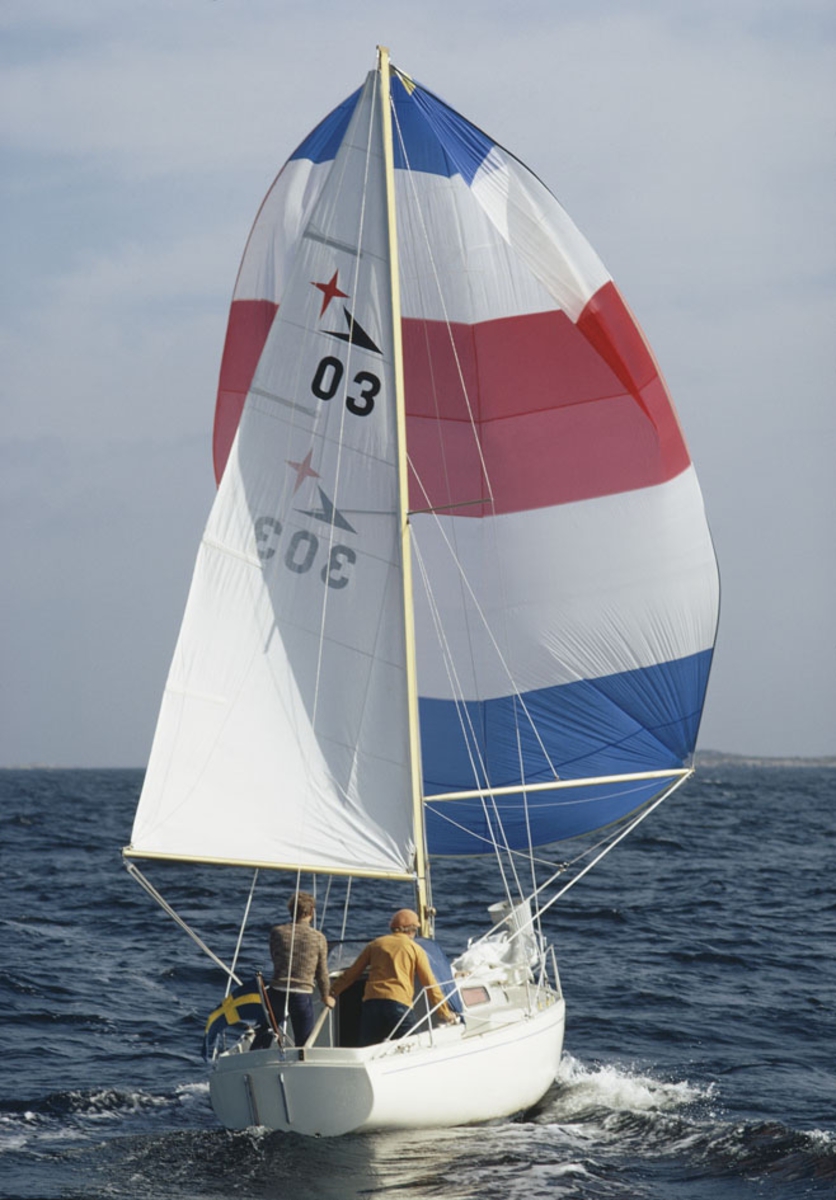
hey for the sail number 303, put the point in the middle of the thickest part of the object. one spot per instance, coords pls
(302, 552)
(328, 377)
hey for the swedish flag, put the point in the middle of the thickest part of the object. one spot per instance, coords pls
(241, 1005)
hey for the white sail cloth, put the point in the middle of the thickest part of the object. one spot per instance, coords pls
(282, 735)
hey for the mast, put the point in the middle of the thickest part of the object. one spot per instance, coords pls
(421, 861)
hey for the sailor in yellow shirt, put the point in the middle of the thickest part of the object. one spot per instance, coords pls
(394, 961)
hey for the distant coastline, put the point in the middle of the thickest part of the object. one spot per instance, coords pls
(716, 758)
(702, 758)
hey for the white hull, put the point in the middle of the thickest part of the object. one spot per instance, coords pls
(502, 1061)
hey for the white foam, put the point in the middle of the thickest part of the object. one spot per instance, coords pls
(12, 1135)
(619, 1089)
(191, 1091)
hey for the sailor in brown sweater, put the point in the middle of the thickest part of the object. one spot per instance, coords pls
(300, 958)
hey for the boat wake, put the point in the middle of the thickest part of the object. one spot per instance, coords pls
(614, 1109)
(573, 1144)
(584, 1091)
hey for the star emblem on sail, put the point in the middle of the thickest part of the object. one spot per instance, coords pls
(355, 335)
(303, 470)
(330, 291)
(328, 511)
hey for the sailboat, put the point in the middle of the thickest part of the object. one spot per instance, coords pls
(456, 594)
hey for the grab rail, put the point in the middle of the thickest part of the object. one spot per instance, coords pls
(423, 1016)
(320, 1021)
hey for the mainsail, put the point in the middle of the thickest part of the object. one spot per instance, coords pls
(282, 737)
(566, 589)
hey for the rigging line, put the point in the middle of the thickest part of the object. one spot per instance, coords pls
(241, 931)
(361, 225)
(136, 874)
(251, 584)
(493, 818)
(345, 909)
(292, 944)
(558, 869)
(624, 833)
(466, 723)
(420, 229)
(476, 440)
(527, 815)
(479, 837)
(253, 589)
(465, 720)
(480, 612)
(419, 226)
(422, 225)
(324, 913)
(541, 862)
(576, 878)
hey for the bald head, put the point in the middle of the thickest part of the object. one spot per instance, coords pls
(405, 921)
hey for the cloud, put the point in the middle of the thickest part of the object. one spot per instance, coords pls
(693, 145)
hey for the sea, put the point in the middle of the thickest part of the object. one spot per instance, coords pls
(697, 960)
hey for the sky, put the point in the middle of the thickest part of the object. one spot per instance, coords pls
(693, 144)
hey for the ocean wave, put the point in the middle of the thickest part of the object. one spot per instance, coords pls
(698, 1028)
(605, 1087)
(72, 1114)
(624, 1108)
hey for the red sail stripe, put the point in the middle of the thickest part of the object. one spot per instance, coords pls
(564, 412)
(246, 333)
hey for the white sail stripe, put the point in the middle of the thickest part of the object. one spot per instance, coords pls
(639, 566)
(543, 235)
(475, 268)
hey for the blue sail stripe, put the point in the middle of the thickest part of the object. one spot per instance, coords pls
(453, 147)
(642, 720)
(321, 144)
(429, 135)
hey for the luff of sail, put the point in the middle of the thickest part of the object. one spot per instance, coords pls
(567, 598)
(282, 734)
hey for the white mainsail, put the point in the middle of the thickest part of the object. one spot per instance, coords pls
(282, 734)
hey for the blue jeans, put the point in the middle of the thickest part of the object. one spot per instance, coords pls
(379, 1017)
(300, 1007)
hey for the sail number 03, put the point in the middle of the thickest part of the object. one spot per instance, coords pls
(328, 377)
